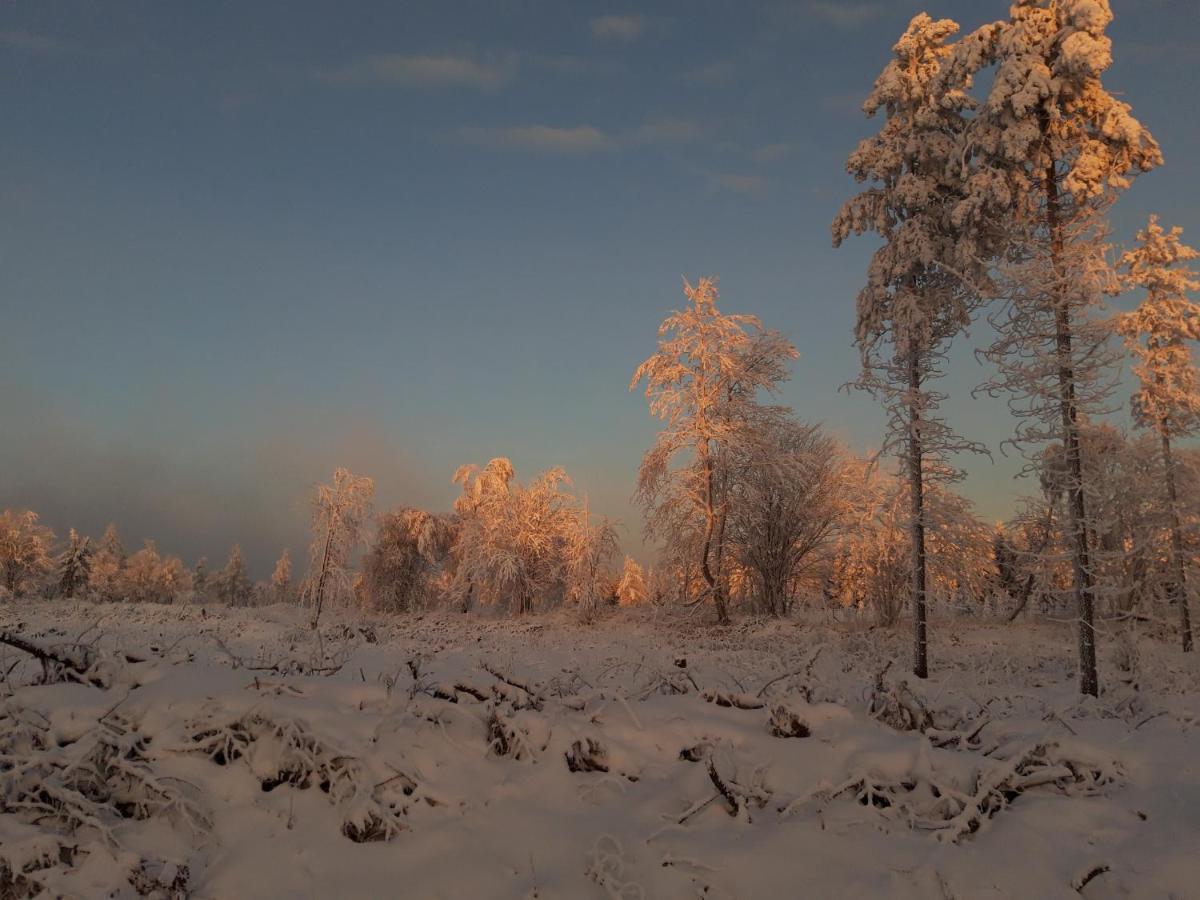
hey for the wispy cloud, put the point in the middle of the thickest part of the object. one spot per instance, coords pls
(769, 153)
(28, 41)
(577, 139)
(426, 71)
(720, 71)
(846, 15)
(737, 182)
(666, 131)
(582, 139)
(618, 28)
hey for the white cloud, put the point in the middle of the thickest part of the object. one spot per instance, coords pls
(618, 28)
(542, 138)
(426, 71)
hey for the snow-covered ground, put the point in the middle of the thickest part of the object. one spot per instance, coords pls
(648, 755)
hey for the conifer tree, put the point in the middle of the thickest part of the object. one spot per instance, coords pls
(74, 565)
(1054, 148)
(923, 282)
(1168, 398)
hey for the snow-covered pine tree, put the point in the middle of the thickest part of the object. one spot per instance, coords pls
(1168, 397)
(74, 565)
(340, 510)
(1054, 148)
(924, 281)
(703, 383)
(281, 578)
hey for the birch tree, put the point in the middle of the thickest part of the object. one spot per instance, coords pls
(232, 585)
(1168, 397)
(1054, 148)
(922, 282)
(108, 562)
(703, 383)
(281, 577)
(24, 550)
(339, 513)
(410, 549)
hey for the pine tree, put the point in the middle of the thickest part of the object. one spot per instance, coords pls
(281, 578)
(1055, 148)
(74, 565)
(1168, 398)
(923, 283)
(631, 589)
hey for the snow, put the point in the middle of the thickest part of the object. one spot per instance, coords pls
(266, 761)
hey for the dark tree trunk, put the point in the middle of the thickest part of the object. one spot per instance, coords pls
(1178, 586)
(1089, 682)
(916, 525)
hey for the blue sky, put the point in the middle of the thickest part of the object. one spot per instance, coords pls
(244, 242)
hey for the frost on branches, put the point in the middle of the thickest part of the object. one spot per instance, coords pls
(703, 383)
(1168, 399)
(925, 280)
(340, 510)
(1052, 148)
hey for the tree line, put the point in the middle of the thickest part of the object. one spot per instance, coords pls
(989, 206)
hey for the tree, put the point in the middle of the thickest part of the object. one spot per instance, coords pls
(410, 549)
(150, 578)
(232, 585)
(1052, 148)
(631, 588)
(703, 383)
(590, 549)
(74, 565)
(281, 578)
(513, 539)
(923, 282)
(340, 510)
(24, 550)
(786, 510)
(1168, 398)
(108, 562)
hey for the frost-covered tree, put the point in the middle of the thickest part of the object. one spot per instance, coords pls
(1158, 333)
(74, 565)
(1052, 147)
(402, 565)
(512, 544)
(24, 550)
(340, 511)
(590, 547)
(703, 383)
(200, 580)
(631, 587)
(232, 585)
(108, 562)
(281, 578)
(151, 578)
(786, 511)
(923, 282)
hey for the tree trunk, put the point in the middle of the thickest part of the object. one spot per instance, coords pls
(1178, 588)
(1089, 682)
(710, 516)
(320, 598)
(916, 524)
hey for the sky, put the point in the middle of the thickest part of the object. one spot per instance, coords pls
(242, 243)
